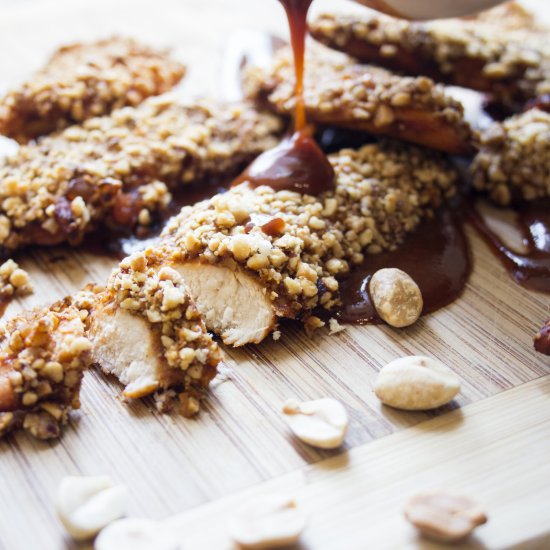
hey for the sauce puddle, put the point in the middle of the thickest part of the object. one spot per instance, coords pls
(436, 255)
(532, 268)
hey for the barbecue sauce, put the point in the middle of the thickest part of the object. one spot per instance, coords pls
(297, 163)
(436, 256)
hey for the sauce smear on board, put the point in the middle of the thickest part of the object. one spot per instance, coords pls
(436, 256)
(297, 163)
(530, 269)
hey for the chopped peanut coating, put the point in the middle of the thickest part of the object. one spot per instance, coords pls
(42, 357)
(503, 54)
(117, 170)
(514, 160)
(341, 92)
(82, 81)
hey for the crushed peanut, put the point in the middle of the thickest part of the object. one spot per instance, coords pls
(542, 339)
(322, 423)
(85, 505)
(396, 297)
(444, 517)
(416, 383)
(507, 55)
(272, 521)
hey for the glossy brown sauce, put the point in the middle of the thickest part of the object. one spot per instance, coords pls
(297, 163)
(296, 12)
(532, 268)
(269, 225)
(4, 303)
(436, 255)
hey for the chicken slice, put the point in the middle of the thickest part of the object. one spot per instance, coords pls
(119, 170)
(146, 331)
(513, 162)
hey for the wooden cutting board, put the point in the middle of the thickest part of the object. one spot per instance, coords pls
(494, 447)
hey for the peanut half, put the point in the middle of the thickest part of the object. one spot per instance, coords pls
(322, 423)
(396, 297)
(444, 517)
(270, 522)
(416, 383)
(85, 505)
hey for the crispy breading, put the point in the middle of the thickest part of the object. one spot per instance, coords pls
(82, 81)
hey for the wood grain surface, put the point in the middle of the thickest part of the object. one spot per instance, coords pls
(498, 447)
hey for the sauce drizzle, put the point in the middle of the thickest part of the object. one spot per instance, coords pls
(297, 163)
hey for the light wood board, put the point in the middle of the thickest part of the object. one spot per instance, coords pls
(171, 464)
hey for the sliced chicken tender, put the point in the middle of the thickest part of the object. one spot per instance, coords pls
(119, 170)
(503, 51)
(244, 276)
(341, 92)
(513, 162)
(42, 358)
(232, 302)
(82, 81)
(147, 331)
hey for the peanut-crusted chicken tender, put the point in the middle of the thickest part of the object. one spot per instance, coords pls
(341, 92)
(43, 354)
(82, 81)
(491, 54)
(146, 330)
(251, 256)
(514, 160)
(117, 170)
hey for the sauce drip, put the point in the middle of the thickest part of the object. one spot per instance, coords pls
(530, 269)
(296, 12)
(436, 256)
(297, 163)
